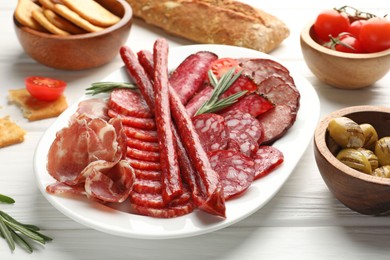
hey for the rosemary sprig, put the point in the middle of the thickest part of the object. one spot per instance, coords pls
(15, 232)
(214, 103)
(103, 87)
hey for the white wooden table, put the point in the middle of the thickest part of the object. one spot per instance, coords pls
(302, 221)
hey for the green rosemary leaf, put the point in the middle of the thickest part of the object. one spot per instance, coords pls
(34, 235)
(6, 199)
(21, 241)
(104, 87)
(9, 218)
(6, 234)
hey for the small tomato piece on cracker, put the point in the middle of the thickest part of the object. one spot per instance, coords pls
(43, 88)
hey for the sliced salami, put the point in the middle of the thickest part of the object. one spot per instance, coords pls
(143, 155)
(136, 122)
(169, 212)
(235, 170)
(284, 94)
(243, 122)
(242, 83)
(266, 159)
(276, 122)
(155, 200)
(268, 83)
(142, 145)
(147, 186)
(144, 135)
(212, 130)
(253, 104)
(129, 102)
(147, 175)
(198, 100)
(243, 142)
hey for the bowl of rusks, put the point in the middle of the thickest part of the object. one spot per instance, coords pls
(72, 34)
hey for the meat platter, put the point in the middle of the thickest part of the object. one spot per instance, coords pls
(116, 220)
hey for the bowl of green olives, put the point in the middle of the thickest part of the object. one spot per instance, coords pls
(352, 152)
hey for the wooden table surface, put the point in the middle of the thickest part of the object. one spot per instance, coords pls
(303, 221)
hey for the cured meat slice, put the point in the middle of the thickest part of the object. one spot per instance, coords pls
(284, 94)
(242, 83)
(143, 155)
(243, 142)
(189, 76)
(243, 122)
(212, 130)
(147, 186)
(147, 175)
(60, 188)
(144, 135)
(169, 212)
(91, 108)
(129, 102)
(198, 100)
(144, 165)
(268, 83)
(155, 200)
(142, 145)
(136, 122)
(236, 171)
(266, 159)
(171, 180)
(253, 104)
(112, 185)
(276, 122)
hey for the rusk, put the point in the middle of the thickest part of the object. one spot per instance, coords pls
(214, 22)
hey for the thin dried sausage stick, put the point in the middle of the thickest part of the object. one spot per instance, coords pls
(171, 181)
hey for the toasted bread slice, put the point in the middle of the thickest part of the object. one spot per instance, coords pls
(10, 133)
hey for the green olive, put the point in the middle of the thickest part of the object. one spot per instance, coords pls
(382, 150)
(383, 171)
(354, 159)
(346, 132)
(370, 155)
(370, 136)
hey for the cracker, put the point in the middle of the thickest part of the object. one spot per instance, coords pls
(73, 17)
(10, 133)
(23, 14)
(92, 12)
(34, 109)
(49, 4)
(42, 20)
(62, 23)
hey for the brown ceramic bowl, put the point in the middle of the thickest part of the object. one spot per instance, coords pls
(82, 51)
(339, 69)
(360, 192)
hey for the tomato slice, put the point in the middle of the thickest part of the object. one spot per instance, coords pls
(43, 88)
(222, 65)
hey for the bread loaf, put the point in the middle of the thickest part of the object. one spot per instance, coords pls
(214, 21)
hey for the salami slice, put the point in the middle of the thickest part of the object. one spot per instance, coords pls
(243, 122)
(129, 102)
(147, 175)
(144, 135)
(243, 142)
(284, 94)
(276, 122)
(268, 83)
(198, 100)
(136, 122)
(266, 159)
(155, 200)
(186, 84)
(212, 130)
(253, 104)
(242, 83)
(143, 155)
(142, 145)
(236, 171)
(169, 212)
(147, 186)
(144, 165)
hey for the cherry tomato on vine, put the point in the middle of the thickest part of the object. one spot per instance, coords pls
(331, 22)
(44, 88)
(375, 34)
(355, 27)
(349, 44)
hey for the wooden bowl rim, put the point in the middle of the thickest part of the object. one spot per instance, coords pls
(127, 16)
(319, 140)
(306, 37)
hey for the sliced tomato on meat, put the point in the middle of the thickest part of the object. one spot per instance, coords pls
(223, 65)
(43, 88)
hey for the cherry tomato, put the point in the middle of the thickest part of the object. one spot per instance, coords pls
(331, 22)
(221, 66)
(355, 27)
(349, 44)
(375, 34)
(43, 88)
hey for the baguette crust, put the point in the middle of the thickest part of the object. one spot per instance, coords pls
(214, 22)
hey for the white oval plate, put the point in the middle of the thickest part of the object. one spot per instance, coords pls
(118, 222)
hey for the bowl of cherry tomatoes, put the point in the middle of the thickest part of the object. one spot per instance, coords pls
(347, 48)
